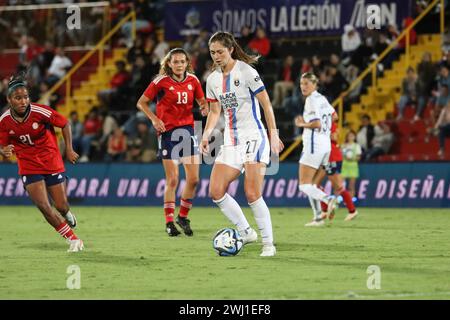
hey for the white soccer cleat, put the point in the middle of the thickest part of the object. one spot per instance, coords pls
(75, 245)
(71, 220)
(249, 236)
(351, 216)
(315, 223)
(268, 250)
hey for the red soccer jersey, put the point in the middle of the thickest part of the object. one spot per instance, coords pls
(34, 139)
(175, 99)
(336, 154)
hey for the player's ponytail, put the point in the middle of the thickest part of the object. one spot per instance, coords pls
(228, 41)
(165, 68)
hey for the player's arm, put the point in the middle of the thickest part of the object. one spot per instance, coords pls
(71, 155)
(204, 108)
(211, 121)
(314, 124)
(142, 105)
(275, 142)
(7, 151)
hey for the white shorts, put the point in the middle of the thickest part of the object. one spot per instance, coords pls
(255, 150)
(316, 159)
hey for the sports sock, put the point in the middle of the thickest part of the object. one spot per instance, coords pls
(312, 191)
(64, 230)
(347, 200)
(262, 216)
(185, 206)
(316, 211)
(233, 212)
(169, 209)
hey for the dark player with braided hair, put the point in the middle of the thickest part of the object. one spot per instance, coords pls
(27, 129)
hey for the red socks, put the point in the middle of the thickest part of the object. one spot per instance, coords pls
(185, 206)
(64, 230)
(347, 200)
(169, 210)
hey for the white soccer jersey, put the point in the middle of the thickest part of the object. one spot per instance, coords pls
(317, 107)
(236, 94)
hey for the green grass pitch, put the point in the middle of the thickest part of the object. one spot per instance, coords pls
(128, 256)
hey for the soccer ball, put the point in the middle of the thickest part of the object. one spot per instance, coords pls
(227, 242)
(349, 154)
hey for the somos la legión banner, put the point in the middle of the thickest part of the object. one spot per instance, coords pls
(420, 185)
(289, 18)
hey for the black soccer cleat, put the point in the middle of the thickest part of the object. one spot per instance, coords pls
(185, 224)
(171, 230)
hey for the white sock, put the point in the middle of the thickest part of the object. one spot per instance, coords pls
(312, 191)
(262, 216)
(317, 211)
(233, 212)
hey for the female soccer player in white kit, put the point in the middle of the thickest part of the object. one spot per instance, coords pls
(318, 116)
(236, 87)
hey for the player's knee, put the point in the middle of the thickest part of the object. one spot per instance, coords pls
(216, 192)
(193, 181)
(252, 195)
(172, 181)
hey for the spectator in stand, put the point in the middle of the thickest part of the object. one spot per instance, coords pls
(412, 34)
(426, 72)
(317, 65)
(260, 44)
(441, 101)
(335, 83)
(117, 146)
(118, 84)
(411, 94)
(109, 124)
(51, 101)
(45, 58)
(351, 75)
(161, 49)
(59, 67)
(351, 152)
(136, 50)
(365, 133)
(350, 42)
(92, 130)
(143, 146)
(140, 78)
(306, 66)
(382, 141)
(245, 38)
(77, 131)
(285, 82)
(442, 127)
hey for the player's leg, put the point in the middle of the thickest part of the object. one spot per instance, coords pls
(58, 194)
(316, 204)
(338, 185)
(306, 178)
(352, 186)
(253, 184)
(172, 175)
(38, 194)
(191, 169)
(221, 177)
